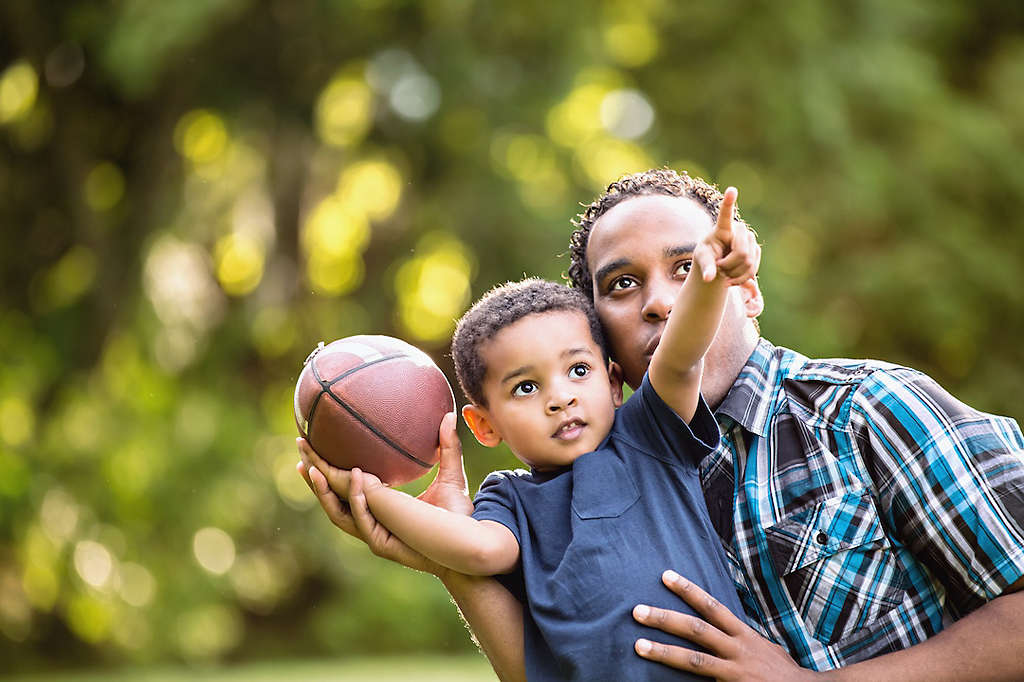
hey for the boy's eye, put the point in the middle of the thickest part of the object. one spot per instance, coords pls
(684, 267)
(579, 371)
(524, 388)
(622, 282)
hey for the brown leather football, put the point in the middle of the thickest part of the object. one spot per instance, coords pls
(373, 402)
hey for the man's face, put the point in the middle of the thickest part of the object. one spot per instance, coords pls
(639, 254)
(549, 394)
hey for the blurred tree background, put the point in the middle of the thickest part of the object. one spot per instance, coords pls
(193, 193)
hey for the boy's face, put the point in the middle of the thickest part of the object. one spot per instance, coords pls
(549, 394)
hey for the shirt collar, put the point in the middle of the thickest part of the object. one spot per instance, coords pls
(749, 400)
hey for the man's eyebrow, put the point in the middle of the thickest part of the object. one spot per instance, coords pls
(610, 267)
(679, 250)
(668, 252)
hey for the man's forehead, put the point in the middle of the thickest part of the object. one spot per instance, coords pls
(652, 222)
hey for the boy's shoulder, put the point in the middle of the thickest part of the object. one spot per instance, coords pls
(520, 478)
(646, 424)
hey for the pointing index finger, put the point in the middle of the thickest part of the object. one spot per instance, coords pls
(726, 214)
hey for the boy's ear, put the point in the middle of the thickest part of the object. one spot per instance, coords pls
(480, 424)
(615, 378)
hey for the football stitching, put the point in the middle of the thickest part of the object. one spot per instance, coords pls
(325, 387)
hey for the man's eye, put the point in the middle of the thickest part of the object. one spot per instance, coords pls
(579, 371)
(524, 388)
(620, 283)
(684, 267)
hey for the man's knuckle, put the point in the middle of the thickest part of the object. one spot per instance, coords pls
(698, 659)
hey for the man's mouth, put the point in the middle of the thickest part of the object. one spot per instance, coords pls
(652, 345)
(569, 429)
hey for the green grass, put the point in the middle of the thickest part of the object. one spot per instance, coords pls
(397, 669)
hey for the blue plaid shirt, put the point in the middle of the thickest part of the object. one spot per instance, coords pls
(860, 504)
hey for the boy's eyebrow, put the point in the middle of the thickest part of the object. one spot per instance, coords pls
(525, 369)
(518, 371)
(668, 252)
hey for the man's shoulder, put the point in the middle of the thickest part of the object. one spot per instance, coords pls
(837, 371)
(825, 390)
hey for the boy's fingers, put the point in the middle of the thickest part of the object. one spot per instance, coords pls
(336, 510)
(337, 479)
(364, 520)
(724, 225)
(741, 265)
(704, 262)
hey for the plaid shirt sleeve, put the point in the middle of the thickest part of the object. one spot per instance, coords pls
(950, 481)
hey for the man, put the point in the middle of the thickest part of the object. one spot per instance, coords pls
(861, 506)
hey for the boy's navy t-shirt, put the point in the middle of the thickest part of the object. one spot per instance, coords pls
(595, 537)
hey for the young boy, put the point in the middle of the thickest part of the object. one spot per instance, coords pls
(611, 494)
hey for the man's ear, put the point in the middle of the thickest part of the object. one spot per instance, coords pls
(615, 378)
(753, 303)
(480, 424)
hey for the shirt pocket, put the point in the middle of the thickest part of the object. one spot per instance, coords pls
(837, 564)
(602, 487)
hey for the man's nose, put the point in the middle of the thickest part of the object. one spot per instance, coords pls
(661, 294)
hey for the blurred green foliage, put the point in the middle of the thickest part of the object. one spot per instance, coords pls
(193, 193)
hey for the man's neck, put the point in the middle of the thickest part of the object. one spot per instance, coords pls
(729, 362)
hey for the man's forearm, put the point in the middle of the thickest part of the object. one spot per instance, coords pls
(986, 645)
(496, 619)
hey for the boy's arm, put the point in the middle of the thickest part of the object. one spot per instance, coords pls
(458, 542)
(494, 616)
(728, 255)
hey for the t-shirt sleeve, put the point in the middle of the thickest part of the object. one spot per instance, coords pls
(691, 442)
(495, 501)
(950, 479)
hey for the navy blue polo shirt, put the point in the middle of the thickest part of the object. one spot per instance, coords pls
(595, 537)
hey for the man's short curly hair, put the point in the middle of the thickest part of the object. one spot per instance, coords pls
(658, 181)
(502, 306)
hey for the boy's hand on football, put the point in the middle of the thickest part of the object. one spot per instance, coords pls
(363, 482)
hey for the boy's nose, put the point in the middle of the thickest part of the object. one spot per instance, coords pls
(560, 401)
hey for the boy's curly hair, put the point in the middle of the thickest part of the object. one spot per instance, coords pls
(656, 181)
(502, 306)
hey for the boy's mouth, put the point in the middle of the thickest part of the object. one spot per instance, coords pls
(569, 429)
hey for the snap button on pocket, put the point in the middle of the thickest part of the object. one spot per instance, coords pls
(832, 553)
